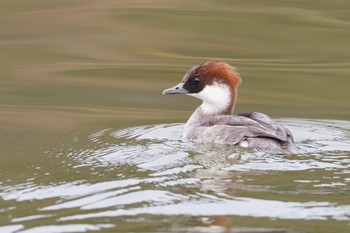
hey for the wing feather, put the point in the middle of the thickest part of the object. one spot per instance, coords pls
(248, 125)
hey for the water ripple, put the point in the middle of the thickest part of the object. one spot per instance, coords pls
(148, 170)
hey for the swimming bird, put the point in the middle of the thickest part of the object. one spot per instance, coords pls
(216, 84)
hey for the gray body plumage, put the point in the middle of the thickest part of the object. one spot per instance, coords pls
(254, 130)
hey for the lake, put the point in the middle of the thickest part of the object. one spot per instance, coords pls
(90, 144)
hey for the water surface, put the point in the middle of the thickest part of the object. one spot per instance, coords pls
(146, 175)
(89, 143)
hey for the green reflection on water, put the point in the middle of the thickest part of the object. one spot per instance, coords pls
(293, 57)
(72, 67)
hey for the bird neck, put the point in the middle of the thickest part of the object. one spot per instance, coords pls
(224, 107)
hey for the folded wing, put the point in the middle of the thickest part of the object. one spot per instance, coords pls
(246, 125)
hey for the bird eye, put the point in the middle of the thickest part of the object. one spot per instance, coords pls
(196, 79)
(195, 84)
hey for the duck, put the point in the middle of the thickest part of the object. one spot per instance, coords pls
(214, 122)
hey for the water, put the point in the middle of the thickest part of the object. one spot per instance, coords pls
(146, 176)
(89, 144)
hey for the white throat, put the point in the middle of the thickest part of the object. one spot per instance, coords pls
(216, 98)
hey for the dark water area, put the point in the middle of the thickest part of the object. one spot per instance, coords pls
(89, 144)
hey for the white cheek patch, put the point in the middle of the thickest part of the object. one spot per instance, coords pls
(216, 98)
